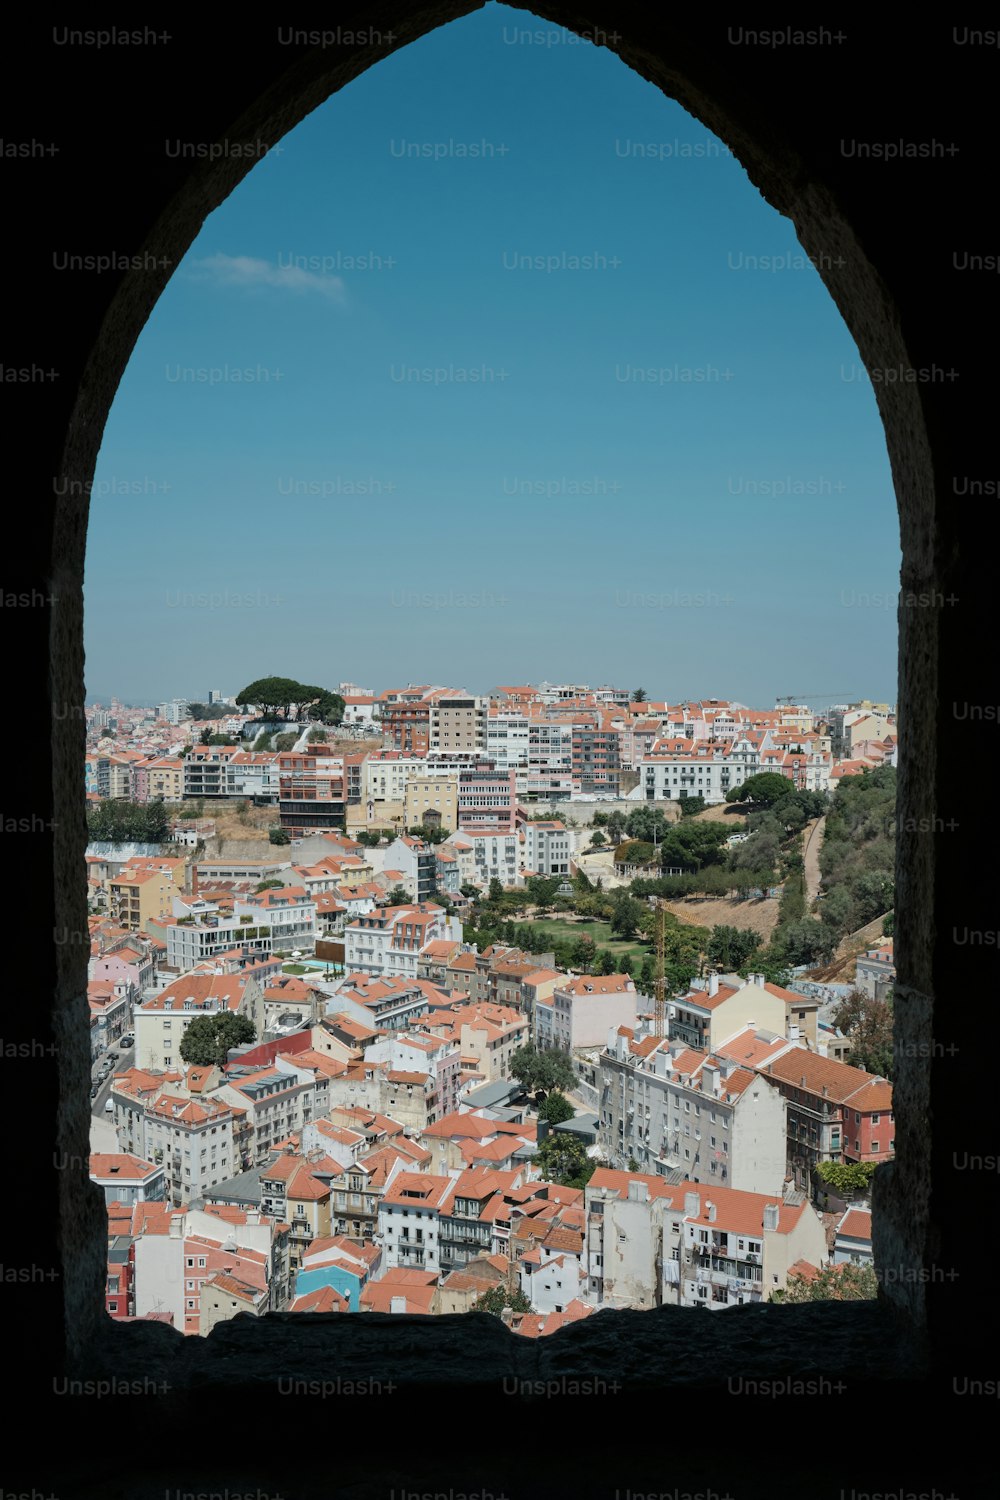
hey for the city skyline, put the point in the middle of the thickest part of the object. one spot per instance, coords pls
(576, 399)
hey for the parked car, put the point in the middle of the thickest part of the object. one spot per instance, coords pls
(109, 1106)
(128, 1042)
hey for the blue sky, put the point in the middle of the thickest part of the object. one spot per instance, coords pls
(388, 423)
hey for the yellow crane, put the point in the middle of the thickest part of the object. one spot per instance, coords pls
(660, 980)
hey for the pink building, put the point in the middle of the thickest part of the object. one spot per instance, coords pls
(487, 798)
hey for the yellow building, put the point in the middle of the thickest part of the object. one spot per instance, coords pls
(144, 891)
(431, 794)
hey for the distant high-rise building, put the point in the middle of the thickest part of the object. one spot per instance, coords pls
(214, 696)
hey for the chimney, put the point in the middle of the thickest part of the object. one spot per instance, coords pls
(771, 1212)
(194, 879)
(638, 1192)
(758, 980)
(713, 984)
(710, 1212)
(397, 1304)
(176, 1229)
(692, 1205)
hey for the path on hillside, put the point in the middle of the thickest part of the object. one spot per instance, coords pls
(847, 952)
(812, 845)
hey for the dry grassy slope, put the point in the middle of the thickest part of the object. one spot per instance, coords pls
(750, 916)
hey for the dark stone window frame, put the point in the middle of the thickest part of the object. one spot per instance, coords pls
(922, 1327)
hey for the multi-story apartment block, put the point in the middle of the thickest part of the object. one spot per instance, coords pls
(835, 1112)
(408, 1057)
(164, 780)
(161, 1020)
(431, 799)
(582, 1009)
(651, 1244)
(409, 1220)
(458, 724)
(205, 770)
(311, 789)
(274, 1103)
(252, 776)
(487, 799)
(405, 716)
(143, 891)
(494, 855)
(277, 920)
(389, 941)
(389, 1003)
(597, 753)
(669, 1108)
(414, 859)
(545, 848)
(192, 1140)
(706, 1016)
(550, 771)
(127, 1179)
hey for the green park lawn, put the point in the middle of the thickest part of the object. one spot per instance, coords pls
(554, 927)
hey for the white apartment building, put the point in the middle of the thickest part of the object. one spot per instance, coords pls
(388, 941)
(545, 848)
(669, 1107)
(275, 921)
(582, 1009)
(161, 1021)
(493, 854)
(650, 1244)
(192, 1140)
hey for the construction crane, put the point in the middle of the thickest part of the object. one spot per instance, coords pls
(660, 980)
(797, 698)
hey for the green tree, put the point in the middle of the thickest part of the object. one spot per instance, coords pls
(208, 1039)
(691, 805)
(278, 836)
(605, 961)
(638, 695)
(597, 839)
(496, 890)
(541, 890)
(556, 1109)
(624, 965)
(844, 1283)
(647, 824)
(729, 948)
(805, 943)
(398, 896)
(582, 953)
(867, 1023)
(535, 1070)
(562, 1158)
(429, 833)
(471, 892)
(764, 789)
(847, 1178)
(268, 885)
(498, 1297)
(317, 737)
(118, 822)
(616, 827)
(626, 917)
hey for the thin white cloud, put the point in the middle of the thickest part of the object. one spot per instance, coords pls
(246, 271)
